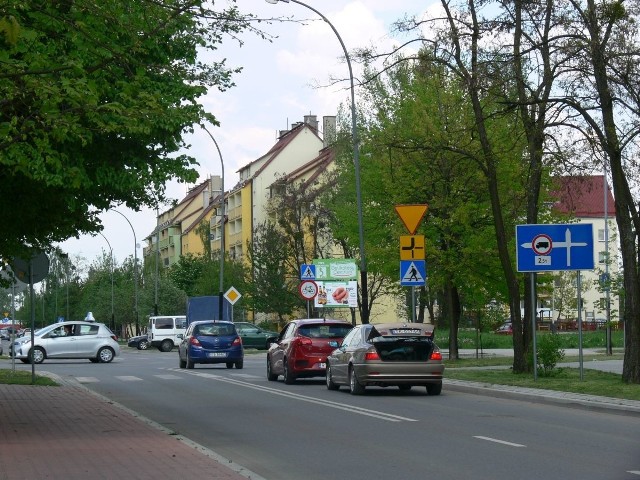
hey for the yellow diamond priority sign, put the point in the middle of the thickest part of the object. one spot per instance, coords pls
(232, 295)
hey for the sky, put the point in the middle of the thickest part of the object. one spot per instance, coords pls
(281, 82)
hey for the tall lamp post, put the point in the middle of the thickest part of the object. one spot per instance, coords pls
(221, 291)
(135, 269)
(113, 321)
(364, 308)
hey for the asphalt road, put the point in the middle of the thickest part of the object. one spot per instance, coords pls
(287, 432)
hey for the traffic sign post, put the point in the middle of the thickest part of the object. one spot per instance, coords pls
(554, 247)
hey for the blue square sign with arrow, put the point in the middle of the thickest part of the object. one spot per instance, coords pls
(545, 248)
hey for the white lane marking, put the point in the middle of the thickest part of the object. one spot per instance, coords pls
(245, 375)
(87, 379)
(128, 378)
(169, 377)
(326, 403)
(634, 472)
(489, 439)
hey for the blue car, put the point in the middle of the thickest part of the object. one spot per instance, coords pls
(210, 341)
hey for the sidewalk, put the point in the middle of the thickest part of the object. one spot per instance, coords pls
(69, 432)
(73, 433)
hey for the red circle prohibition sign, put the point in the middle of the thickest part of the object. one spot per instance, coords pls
(542, 244)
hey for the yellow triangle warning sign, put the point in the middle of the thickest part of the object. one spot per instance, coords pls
(411, 215)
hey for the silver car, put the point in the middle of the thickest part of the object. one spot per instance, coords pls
(69, 340)
(390, 354)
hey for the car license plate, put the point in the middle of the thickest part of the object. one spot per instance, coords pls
(217, 354)
(406, 331)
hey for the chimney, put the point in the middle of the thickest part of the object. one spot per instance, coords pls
(312, 121)
(328, 130)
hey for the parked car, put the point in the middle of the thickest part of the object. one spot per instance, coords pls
(163, 331)
(505, 329)
(76, 339)
(400, 355)
(209, 341)
(6, 332)
(301, 349)
(255, 337)
(141, 342)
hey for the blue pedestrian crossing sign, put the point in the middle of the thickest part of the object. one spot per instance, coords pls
(413, 273)
(307, 271)
(545, 248)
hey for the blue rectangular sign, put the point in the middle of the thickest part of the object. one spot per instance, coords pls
(307, 271)
(546, 248)
(413, 273)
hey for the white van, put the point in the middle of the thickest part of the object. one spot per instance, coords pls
(163, 331)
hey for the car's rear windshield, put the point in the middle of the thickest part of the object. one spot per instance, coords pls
(214, 329)
(324, 330)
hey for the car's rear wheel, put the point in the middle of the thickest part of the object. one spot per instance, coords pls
(229, 364)
(355, 387)
(434, 388)
(189, 362)
(37, 355)
(289, 378)
(272, 377)
(105, 355)
(331, 385)
(166, 346)
(182, 363)
(143, 345)
(239, 364)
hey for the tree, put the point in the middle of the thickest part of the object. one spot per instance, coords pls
(271, 287)
(95, 99)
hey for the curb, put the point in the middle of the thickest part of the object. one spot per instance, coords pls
(548, 397)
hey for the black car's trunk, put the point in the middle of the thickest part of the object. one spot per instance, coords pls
(403, 349)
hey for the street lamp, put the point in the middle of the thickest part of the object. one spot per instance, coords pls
(364, 312)
(113, 321)
(221, 292)
(135, 269)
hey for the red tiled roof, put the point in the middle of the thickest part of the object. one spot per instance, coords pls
(583, 197)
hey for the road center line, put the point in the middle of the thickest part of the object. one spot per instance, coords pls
(495, 440)
(326, 403)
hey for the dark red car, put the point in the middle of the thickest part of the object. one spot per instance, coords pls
(302, 348)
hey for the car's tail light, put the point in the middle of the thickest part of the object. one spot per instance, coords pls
(114, 337)
(304, 341)
(195, 342)
(435, 355)
(371, 355)
(236, 342)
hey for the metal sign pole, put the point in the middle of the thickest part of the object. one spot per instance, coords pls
(532, 277)
(579, 287)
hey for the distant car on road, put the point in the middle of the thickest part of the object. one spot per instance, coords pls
(301, 349)
(254, 336)
(401, 355)
(141, 342)
(210, 341)
(505, 329)
(80, 339)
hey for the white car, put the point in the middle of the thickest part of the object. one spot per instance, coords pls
(90, 340)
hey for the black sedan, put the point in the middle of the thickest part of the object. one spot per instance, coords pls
(141, 342)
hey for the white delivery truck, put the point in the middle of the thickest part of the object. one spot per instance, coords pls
(163, 331)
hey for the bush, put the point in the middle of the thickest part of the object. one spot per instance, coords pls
(550, 352)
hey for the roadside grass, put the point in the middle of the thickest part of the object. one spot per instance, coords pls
(21, 377)
(561, 379)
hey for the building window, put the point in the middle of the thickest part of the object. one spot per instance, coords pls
(602, 257)
(601, 235)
